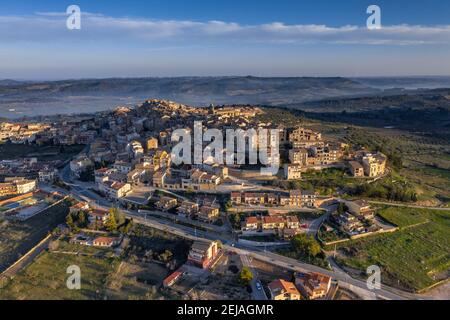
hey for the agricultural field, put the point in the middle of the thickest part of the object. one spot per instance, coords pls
(17, 238)
(46, 278)
(135, 273)
(136, 281)
(405, 217)
(413, 258)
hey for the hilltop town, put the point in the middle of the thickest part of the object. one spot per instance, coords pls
(266, 237)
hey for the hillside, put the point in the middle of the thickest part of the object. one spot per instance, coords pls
(37, 98)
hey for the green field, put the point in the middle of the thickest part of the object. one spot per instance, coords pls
(413, 258)
(46, 278)
(445, 174)
(406, 217)
(16, 237)
(136, 273)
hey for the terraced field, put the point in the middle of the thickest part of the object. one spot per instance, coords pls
(414, 258)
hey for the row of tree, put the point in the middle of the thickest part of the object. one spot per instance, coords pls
(388, 191)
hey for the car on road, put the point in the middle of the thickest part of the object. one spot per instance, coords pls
(258, 286)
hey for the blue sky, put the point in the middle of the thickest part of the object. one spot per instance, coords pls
(218, 37)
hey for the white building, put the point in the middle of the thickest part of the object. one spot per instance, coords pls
(115, 190)
(80, 165)
(25, 186)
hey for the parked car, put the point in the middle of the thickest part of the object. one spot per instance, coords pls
(258, 286)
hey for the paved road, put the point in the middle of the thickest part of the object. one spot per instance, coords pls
(174, 217)
(315, 225)
(251, 208)
(257, 292)
(386, 293)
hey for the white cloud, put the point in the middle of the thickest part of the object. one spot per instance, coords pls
(51, 27)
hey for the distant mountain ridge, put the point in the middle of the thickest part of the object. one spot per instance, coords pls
(30, 98)
(409, 83)
(48, 97)
(246, 89)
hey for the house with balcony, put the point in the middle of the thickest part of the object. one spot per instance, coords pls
(208, 214)
(188, 209)
(114, 190)
(356, 169)
(283, 290)
(203, 253)
(166, 203)
(313, 285)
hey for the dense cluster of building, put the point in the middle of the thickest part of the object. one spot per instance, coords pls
(135, 146)
(29, 168)
(310, 151)
(19, 133)
(132, 146)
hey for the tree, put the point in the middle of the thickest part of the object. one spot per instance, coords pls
(341, 208)
(305, 245)
(314, 248)
(166, 256)
(126, 227)
(228, 205)
(245, 276)
(111, 223)
(82, 219)
(118, 215)
(69, 221)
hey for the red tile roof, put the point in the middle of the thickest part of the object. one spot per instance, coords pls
(280, 286)
(251, 220)
(172, 277)
(273, 219)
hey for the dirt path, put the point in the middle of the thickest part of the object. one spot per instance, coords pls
(441, 292)
(27, 258)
